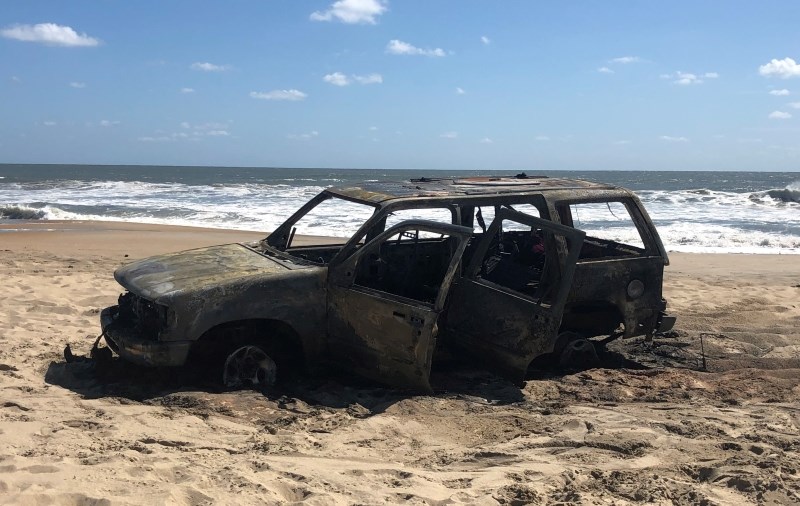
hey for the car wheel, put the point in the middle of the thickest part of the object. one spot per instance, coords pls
(579, 354)
(249, 367)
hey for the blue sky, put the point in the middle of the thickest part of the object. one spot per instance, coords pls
(681, 85)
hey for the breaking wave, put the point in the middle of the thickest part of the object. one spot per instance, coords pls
(790, 194)
(741, 218)
(21, 213)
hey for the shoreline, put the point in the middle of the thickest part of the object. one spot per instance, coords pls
(146, 239)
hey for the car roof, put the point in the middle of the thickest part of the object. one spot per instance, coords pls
(465, 187)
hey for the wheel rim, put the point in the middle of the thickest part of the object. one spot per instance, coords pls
(249, 366)
(579, 354)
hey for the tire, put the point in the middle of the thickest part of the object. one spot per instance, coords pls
(249, 366)
(579, 354)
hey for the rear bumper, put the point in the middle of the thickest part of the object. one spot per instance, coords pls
(129, 345)
(665, 322)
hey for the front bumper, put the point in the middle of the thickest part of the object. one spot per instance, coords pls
(128, 344)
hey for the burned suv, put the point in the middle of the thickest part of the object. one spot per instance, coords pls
(492, 266)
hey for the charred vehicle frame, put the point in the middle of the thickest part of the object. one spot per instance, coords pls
(527, 284)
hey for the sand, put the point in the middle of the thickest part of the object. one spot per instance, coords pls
(659, 431)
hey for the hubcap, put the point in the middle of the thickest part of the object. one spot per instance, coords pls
(249, 366)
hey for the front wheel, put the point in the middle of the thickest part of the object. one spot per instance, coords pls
(249, 367)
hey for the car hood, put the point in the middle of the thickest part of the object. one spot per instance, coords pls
(199, 269)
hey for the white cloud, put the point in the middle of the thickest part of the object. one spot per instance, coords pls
(78, 85)
(541, 138)
(218, 133)
(369, 79)
(626, 59)
(373, 128)
(50, 34)
(486, 40)
(305, 136)
(340, 79)
(486, 140)
(779, 115)
(15, 79)
(605, 70)
(670, 138)
(399, 47)
(687, 78)
(785, 68)
(352, 12)
(187, 90)
(209, 67)
(291, 95)
(460, 91)
(336, 79)
(622, 142)
(779, 93)
(107, 123)
(449, 135)
(794, 105)
(49, 123)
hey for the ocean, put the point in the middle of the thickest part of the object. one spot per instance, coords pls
(712, 212)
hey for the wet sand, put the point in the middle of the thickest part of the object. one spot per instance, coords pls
(659, 430)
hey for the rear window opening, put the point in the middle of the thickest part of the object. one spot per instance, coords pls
(610, 229)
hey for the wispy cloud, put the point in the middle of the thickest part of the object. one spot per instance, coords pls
(108, 123)
(670, 138)
(687, 78)
(449, 135)
(785, 68)
(542, 138)
(625, 59)
(486, 140)
(49, 123)
(187, 90)
(780, 93)
(354, 12)
(290, 95)
(191, 132)
(794, 105)
(340, 79)
(486, 40)
(50, 34)
(78, 85)
(304, 136)
(399, 47)
(460, 91)
(16, 80)
(605, 70)
(779, 115)
(209, 67)
(368, 79)
(622, 142)
(336, 79)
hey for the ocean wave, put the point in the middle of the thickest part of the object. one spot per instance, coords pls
(21, 213)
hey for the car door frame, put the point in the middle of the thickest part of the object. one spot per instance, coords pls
(358, 316)
(506, 344)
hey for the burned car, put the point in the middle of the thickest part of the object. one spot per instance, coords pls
(495, 267)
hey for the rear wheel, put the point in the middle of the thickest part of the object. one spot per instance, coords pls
(249, 367)
(579, 354)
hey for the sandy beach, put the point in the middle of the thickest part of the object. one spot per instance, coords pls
(658, 431)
